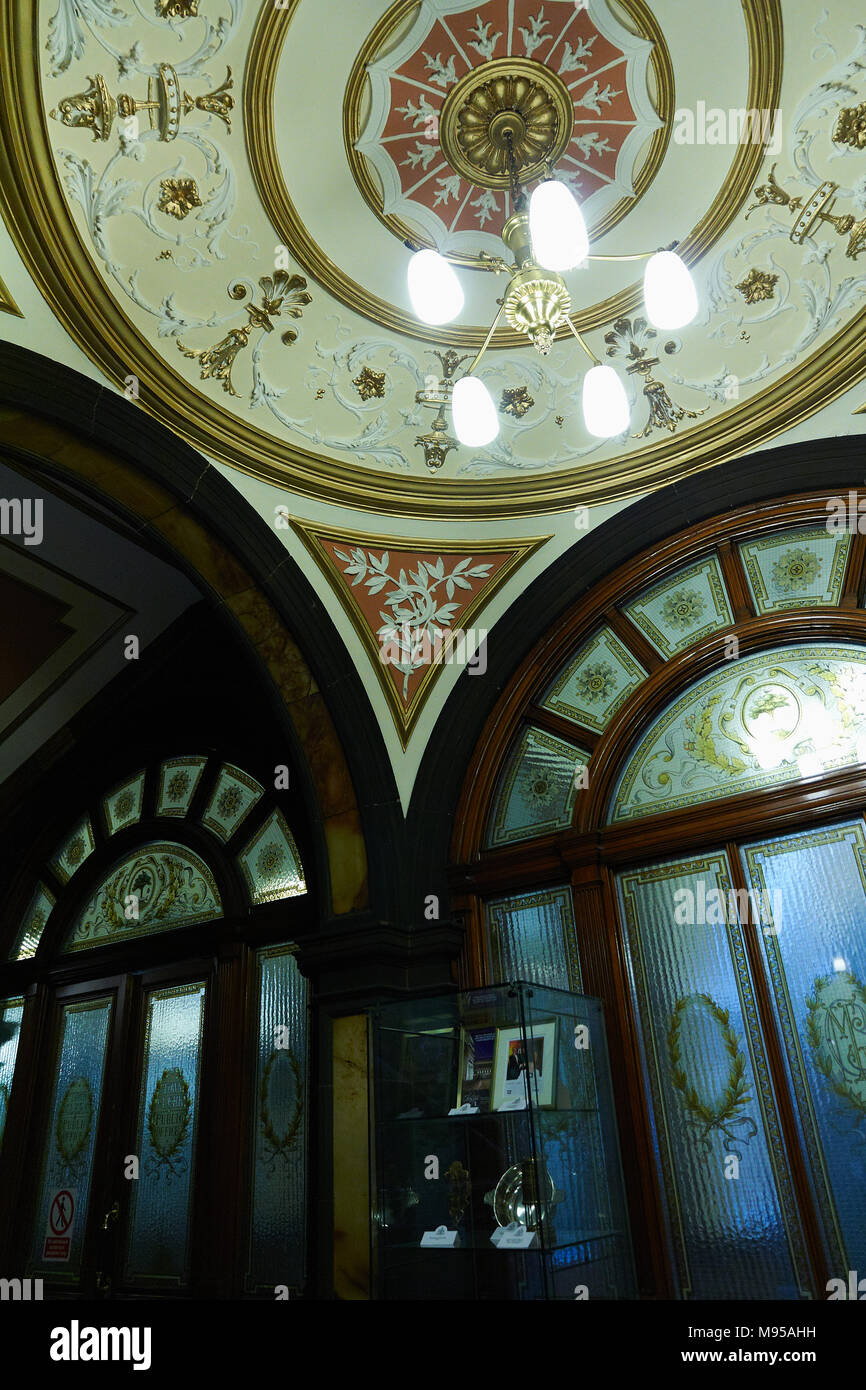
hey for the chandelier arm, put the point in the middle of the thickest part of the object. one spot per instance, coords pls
(638, 256)
(486, 342)
(588, 350)
(482, 260)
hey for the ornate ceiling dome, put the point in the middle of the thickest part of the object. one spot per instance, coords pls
(217, 208)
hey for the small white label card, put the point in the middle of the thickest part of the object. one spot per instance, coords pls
(514, 1103)
(513, 1237)
(441, 1238)
(464, 1110)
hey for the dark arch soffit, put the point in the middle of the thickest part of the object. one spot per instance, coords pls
(31, 382)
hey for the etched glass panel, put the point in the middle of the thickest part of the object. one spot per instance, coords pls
(155, 888)
(178, 780)
(123, 806)
(77, 847)
(11, 1014)
(766, 719)
(232, 799)
(61, 1212)
(683, 608)
(796, 569)
(596, 683)
(159, 1210)
(32, 924)
(278, 1217)
(537, 789)
(706, 1074)
(532, 937)
(271, 864)
(815, 952)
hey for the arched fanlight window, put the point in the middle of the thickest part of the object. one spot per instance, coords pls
(161, 885)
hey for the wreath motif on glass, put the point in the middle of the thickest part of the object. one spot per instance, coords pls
(724, 1117)
(836, 1032)
(168, 1118)
(277, 1146)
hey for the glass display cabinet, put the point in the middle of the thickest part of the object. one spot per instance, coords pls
(497, 1167)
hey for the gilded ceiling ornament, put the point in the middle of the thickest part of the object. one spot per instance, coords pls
(216, 103)
(851, 126)
(75, 851)
(515, 401)
(369, 383)
(177, 9)
(627, 337)
(436, 395)
(282, 293)
(95, 108)
(123, 805)
(812, 212)
(178, 197)
(559, 420)
(757, 286)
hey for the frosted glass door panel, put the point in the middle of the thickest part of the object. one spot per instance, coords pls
(11, 1014)
(816, 962)
(159, 1214)
(733, 1221)
(278, 1217)
(61, 1212)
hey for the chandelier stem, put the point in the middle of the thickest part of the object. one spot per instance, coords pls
(486, 342)
(588, 350)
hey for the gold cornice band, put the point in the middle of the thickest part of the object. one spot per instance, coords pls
(764, 32)
(644, 25)
(52, 250)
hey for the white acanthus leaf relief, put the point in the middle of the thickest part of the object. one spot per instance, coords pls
(485, 42)
(443, 74)
(420, 114)
(418, 619)
(571, 56)
(449, 187)
(422, 155)
(486, 203)
(534, 37)
(593, 97)
(592, 143)
(66, 38)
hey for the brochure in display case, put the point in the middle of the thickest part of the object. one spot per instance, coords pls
(497, 1166)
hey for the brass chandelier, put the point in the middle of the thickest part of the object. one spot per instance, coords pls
(505, 125)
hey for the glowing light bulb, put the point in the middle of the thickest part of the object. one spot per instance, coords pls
(435, 291)
(669, 291)
(556, 226)
(605, 404)
(473, 412)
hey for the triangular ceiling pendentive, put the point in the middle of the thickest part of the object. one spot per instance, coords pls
(398, 593)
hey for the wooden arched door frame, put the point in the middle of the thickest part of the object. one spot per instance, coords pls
(589, 852)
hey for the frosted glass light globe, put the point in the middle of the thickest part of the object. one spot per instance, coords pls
(605, 404)
(473, 412)
(669, 291)
(556, 227)
(435, 291)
